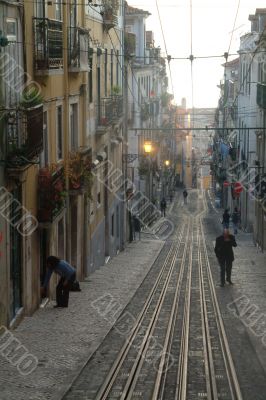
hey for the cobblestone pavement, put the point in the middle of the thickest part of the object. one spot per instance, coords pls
(245, 328)
(64, 339)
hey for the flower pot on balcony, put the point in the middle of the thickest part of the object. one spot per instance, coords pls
(51, 193)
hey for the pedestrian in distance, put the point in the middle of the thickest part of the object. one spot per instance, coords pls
(226, 219)
(171, 197)
(225, 255)
(68, 276)
(163, 206)
(235, 219)
(136, 226)
(185, 194)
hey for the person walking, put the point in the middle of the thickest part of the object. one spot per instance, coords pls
(235, 219)
(171, 197)
(226, 219)
(224, 252)
(68, 276)
(185, 194)
(163, 206)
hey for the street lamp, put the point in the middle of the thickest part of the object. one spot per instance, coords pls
(167, 163)
(148, 150)
(147, 147)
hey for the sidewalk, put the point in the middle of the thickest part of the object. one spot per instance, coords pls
(244, 303)
(64, 339)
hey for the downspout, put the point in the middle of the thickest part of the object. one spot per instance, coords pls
(86, 204)
(66, 127)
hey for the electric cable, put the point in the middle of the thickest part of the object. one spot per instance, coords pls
(191, 59)
(168, 57)
(231, 38)
(248, 69)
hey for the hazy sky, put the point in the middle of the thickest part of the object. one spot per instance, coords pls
(212, 25)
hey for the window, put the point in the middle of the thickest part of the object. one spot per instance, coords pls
(73, 126)
(40, 8)
(98, 199)
(117, 221)
(90, 81)
(262, 72)
(11, 29)
(73, 13)
(112, 68)
(105, 72)
(117, 68)
(113, 225)
(59, 132)
(44, 158)
(58, 10)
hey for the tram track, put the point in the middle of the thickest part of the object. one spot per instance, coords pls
(126, 369)
(177, 348)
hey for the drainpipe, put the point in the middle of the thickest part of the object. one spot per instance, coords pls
(86, 207)
(66, 126)
(125, 130)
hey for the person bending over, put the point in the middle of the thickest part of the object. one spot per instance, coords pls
(68, 276)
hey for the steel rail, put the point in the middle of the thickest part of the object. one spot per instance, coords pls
(114, 372)
(181, 387)
(134, 375)
(228, 361)
(211, 386)
(164, 362)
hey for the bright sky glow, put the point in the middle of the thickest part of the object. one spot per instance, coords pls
(212, 25)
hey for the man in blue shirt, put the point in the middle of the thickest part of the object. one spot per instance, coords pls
(68, 276)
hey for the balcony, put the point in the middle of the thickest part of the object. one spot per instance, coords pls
(110, 110)
(24, 140)
(79, 173)
(78, 46)
(130, 45)
(261, 95)
(48, 45)
(109, 14)
(51, 194)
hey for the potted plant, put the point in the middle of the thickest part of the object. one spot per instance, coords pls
(116, 90)
(51, 190)
(31, 98)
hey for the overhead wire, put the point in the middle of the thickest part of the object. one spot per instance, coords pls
(132, 70)
(244, 80)
(168, 57)
(234, 25)
(191, 59)
(155, 57)
(226, 55)
(118, 61)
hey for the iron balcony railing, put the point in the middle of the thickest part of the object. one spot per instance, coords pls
(78, 46)
(110, 10)
(48, 44)
(261, 95)
(110, 110)
(24, 139)
(130, 44)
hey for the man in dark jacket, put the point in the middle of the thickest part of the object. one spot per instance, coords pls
(226, 219)
(185, 194)
(68, 276)
(163, 206)
(235, 220)
(224, 252)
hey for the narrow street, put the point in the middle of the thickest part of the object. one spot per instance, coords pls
(154, 323)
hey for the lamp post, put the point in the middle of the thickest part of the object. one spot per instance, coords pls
(148, 150)
(165, 177)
